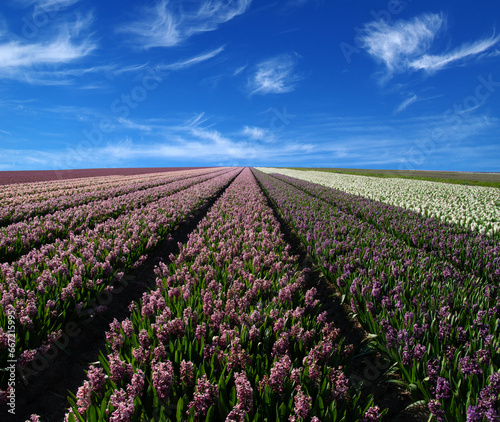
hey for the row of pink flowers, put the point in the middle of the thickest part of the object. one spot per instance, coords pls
(44, 189)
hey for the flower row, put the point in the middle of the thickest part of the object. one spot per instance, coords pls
(56, 187)
(230, 334)
(56, 190)
(437, 321)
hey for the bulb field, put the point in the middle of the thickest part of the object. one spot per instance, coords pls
(234, 326)
(474, 207)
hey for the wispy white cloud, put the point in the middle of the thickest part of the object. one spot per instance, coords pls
(183, 142)
(171, 141)
(129, 124)
(196, 120)
(192, 61)
(405, 44)
(157, 28)
(207, 146)
(274, 76)
(222, 143)
(22, 60)
(15, 104)
(62, 49)
(47, 5)
(238, 70)
(166, 26)
(495, 53)
(432, 63)
(13, 54)
(454, 128)
(396, 44)
(406, 103)
(129, 68)
(258, 134)
(60, 75)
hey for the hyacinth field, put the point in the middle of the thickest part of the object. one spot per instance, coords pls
(235, 326)
(474, 207)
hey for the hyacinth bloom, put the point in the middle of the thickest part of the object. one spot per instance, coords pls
(221, 344)
(416, 229)
(25, 200)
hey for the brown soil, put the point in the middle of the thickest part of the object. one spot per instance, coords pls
(32, 176)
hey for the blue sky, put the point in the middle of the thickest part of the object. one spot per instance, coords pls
(360, 84)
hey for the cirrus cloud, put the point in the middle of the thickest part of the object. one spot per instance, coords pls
(41, 61)
(274, 76)
(405, 45)
(164, 25)
(258, 134)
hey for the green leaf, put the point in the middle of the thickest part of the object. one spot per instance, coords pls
(416, 404)
(282, 412)
(223, 407)
(210, 414)
(92, 414)
(267, 395)
(104, 404)
(72, 403)
(257, 417)
(232, 398)
(180, 410)
(162, 417)
(319, 404)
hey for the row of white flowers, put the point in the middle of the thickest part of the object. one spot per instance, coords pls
(475, 207)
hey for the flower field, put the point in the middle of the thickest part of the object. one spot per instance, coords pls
(474, 207)
(229, 333)
(60, 280)
(234, 329)
(431, 301)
